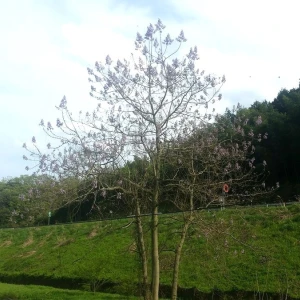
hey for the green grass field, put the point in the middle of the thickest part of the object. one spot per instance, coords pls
(249, 249)
(33, 292)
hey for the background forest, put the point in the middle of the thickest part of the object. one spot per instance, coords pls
(281, 121)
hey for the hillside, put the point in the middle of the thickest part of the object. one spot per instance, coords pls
(247, 249)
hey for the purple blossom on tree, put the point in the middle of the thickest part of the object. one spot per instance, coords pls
(155, 115)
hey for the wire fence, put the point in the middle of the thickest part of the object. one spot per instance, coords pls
(216, 207)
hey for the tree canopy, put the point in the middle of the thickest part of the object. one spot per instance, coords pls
(153, 141)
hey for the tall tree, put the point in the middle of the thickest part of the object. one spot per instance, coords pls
(287, 104)
(148, 105)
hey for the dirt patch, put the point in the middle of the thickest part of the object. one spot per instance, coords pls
(42, 242)
(48, 235)
(28, 242)
(27, 254)
(93, 233)
(64, 242)
(132, 248)
(6, 244)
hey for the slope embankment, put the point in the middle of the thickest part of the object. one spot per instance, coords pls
(235, 251)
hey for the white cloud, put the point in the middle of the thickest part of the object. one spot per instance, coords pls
(48, 45)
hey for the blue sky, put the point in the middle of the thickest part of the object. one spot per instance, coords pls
(47, 45)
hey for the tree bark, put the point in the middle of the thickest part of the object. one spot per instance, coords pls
(142, 252)
(155, 253)
(177, 260)
(178, 251)
(154, 229)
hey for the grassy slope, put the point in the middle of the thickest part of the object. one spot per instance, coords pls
(33, 292)
(247, 249)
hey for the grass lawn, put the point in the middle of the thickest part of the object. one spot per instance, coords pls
(34, 292)
(249, 249)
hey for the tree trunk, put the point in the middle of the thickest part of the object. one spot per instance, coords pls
(177, 260)
(142, 253)
(178, 251)
(154, 229)
(155, 254)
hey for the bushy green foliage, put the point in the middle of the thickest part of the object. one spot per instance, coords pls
(281, 120)
(10, 191)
